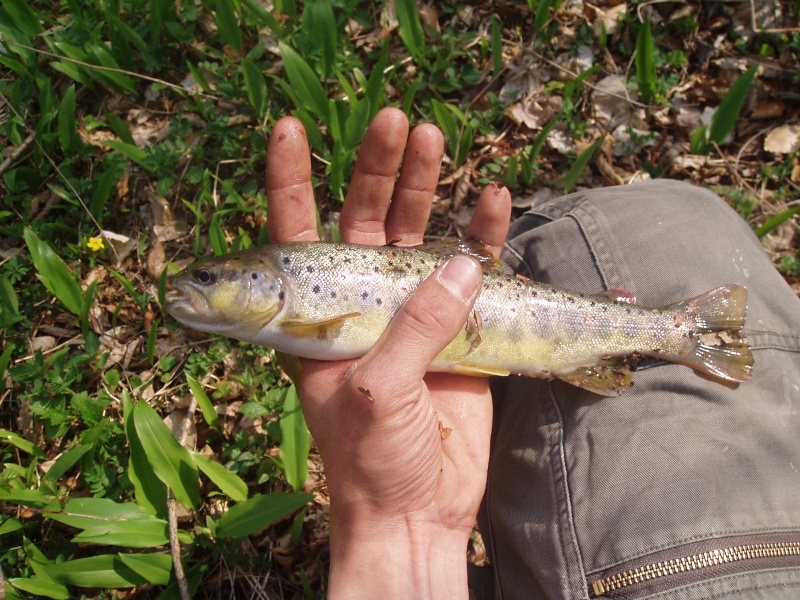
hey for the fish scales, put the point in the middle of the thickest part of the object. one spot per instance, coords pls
(333, 301)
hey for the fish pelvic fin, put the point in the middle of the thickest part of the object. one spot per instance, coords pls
(605, 379)
(318, 329)
(719, 349)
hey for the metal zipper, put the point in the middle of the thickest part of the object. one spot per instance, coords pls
(696, 564)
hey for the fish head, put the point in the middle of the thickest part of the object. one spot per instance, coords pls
(234, 295)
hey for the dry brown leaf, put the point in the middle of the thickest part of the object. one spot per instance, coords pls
(784, 139)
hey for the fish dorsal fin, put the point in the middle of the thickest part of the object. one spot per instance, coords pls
(318, 329)
(473, 247)
(608, 379)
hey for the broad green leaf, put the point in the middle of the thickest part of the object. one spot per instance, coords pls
(151, 493)
(67, 128)
(307, 88)
(216, 236)
(230, 483)
(64, 463)
(259, 512)
(25, 496)
(83, 513)
(574, 173)
(698, 143)
(130, 151)
(410, 26)
(8, 298)
(263, 15)
(170, 461)
(645, 62)
(10, 526)
(156, 568)
(20, 442)
(228, 24)
(256, 86)
(295, 442)
(204, 402)
(144, 533)
(726, 114)
(112, 571)
(23, 17)
(128, 32)
(40, 587)
(319, 24)
(53, 273)
(773, 222)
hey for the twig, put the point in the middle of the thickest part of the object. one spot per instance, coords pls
(174, 543)
(6, 164)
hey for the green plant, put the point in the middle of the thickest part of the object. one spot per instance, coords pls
(725, 116)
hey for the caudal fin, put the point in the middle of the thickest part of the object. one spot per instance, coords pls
(719, 348)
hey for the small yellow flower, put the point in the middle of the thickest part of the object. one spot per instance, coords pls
(95, 244)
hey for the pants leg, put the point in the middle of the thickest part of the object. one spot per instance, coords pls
(580, 484)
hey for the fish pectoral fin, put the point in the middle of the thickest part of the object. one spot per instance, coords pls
(478, 370)
(303, 327)
(605, 379)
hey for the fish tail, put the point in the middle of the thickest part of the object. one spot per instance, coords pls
(718, 348)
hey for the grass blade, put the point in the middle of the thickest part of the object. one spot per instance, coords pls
(571, 178)
(256, 86)
(645, 62)
(53, 273)
(228, 24)
(295, 441)
(773, 222)
(308, 90)
(727, 112)
(410, 27)
(204, 402)
(259, 512)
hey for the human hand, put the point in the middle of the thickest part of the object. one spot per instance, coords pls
(406, 461)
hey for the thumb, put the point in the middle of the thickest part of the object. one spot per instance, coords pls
(426, 323)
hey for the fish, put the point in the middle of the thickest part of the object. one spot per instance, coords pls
(332, 301)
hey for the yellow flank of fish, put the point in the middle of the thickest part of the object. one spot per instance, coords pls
(333, 302)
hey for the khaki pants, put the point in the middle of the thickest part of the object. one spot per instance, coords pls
(582, 487)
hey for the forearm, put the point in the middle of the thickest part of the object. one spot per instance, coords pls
(407, 557)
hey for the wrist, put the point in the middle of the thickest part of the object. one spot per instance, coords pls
(406, 556)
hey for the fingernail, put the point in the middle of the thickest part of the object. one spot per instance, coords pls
(461, 276)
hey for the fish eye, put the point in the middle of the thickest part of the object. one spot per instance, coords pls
(204, 276)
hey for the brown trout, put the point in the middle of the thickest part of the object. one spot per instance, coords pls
(333, 301)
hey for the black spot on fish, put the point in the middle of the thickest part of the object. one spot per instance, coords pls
(310, 269)
(363, 257)
(253, 276)
(364, 295)
(408, 265)
(378, 301)
(627, 311)
(570, 299)
(376, 269)
(315, 289)
(286, 260)
(333, 294)
(605, 309)
(347, 259)
(534, 293)
(281, 295)
(592, 303)
(641, 313)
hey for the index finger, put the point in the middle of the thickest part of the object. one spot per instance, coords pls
(291, 210)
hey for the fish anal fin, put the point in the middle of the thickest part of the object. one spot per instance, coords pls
(478, 370)
(319, 329)
(606, 379)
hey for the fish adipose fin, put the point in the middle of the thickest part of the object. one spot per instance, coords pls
(605, 379)
(319, 329)
(719, 349)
